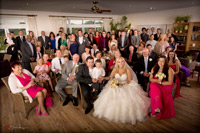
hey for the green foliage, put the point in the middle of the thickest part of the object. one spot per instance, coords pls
(120, 25)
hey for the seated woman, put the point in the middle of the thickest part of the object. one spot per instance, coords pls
(140, 49)
(86, 54)
(172, 43)
(22, 81)
(99, 56)
(63, 50)
(174, 64)
(112, 62)
(112, 51)
(161, 78)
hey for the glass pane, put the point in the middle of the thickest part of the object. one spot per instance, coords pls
(73, 29)
(88, 21)
(98, 21)
(68, 30)
(16, 31)
(2, 38)
(99, 29)
(15, 21)
(75, 21)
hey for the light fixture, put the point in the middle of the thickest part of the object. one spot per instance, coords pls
(27, 4)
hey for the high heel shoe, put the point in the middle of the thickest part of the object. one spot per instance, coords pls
(38, 113)
(45, 114)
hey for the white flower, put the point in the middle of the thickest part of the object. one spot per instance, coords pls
(160, 76)
(150, 59)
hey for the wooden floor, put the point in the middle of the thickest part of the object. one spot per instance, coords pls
(73, 119)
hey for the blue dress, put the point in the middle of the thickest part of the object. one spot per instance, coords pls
(53, 44)
(73, 48)
(173, 45)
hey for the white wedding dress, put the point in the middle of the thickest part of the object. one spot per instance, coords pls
(127, 103)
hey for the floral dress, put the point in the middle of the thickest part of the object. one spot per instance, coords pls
(43, 76)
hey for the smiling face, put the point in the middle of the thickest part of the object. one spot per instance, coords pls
(98, 64)
(75, 58)
(17, 69)
(45, 57)
(161, 62)
(121, 62)
(117, 54)
(171, 55)
(90, 63)
(98, 55)
(40, 61)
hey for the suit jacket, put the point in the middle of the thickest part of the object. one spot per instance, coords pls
(126, 43)
(19, 42)
(154, 56)
(81, 47)
(134, 57)
(46, 43)
(135, 40)
(26, 52)
(156, 37)
(67, 69)
(83, 75)
(93, 41)
(144, 37)
(141, 66)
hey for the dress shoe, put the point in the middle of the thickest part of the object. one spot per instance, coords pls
(74, 101)
(37, 112)
(66, 101)
(88, 109)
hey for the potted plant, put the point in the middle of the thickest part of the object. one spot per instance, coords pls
(182, 19)
(178, 18)
(181, 30)
(187, 18)
(176, 29)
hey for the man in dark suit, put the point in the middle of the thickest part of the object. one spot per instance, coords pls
(44, 40)
(123, 44)
(20, 39)
(157, 35)
(152, 54)
(91, 39)
(28, 53)
(82, 42)
(143, 68)
(144, 35)
(132, 56)
(85, 80)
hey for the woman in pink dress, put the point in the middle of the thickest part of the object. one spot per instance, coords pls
(175, 65)
(22, 81)
(161, 78)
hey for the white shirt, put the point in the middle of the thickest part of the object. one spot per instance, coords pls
(57, 38)
(31, 47)
(55, 64)
(123, 38)
(146, 63)
(90, 71)
(94, 51)
(38, 53)
(97, 72)
(80, 40)
(153, 43)
(43, 37)
(102, 61)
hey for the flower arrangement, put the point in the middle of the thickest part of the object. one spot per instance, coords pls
(160, 76)
(114, 83)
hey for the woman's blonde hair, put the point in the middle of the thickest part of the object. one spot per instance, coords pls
(63, 47)
(165, 37)
(117, 66)
(40, 59)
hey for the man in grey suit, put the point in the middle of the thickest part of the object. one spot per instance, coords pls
(123, 44)
(82, 42)
(45, 40)
(69, 78)
(28, 53)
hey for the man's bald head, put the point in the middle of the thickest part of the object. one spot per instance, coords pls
(145, 52)
(75, 58)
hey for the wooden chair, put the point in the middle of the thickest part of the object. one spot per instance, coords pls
(33, 65)
(20, 103)
(7, 57)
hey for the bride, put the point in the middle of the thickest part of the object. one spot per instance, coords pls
(124, 102)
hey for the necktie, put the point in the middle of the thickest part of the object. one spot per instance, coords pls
(39, 55)
(73, 70)
(60, 61)
(145, 64)
(21, 38)
(130, 57)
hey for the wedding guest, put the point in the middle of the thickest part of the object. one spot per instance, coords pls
(94, 50)
(86, 54)
(20, 39)
(69, 77)
(135, 40)
(112, 42)
(144, 35)
(143, 68)
(44, 40)
(99, 56)
(112, 51)
(46, 62)
(56, 63)
(66, 58)
(161, 44)
(152, 30)
(132, 56)
(93, 31)
(157, 35)
(131, 32)
(118, 34)
(52, 41)
(57, 38)
(148, 31)
(33, 38)
(72, 46)
(108, 35)
(140, 49)
(113, 33)
(162, 104)
(41, 71)
(22, 81)
(152, 41)
(97, 37)
(126, 32)
(62, 41)
(38, 52)
(91, 39)
(174, 36)
(86, 35)
(82, 42)
(173, 44)
(28, 53)
(40, 45)
(112, 62)
(63, 50)
(174, 64)
(123, 44)
(151, 53)
(61, 29)
(103, 42)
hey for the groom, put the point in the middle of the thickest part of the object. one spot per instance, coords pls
(85, 80)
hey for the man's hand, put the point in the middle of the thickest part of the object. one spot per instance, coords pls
(94, 80)
(146, 74)
(122, 49)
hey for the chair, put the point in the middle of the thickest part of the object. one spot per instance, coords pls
(83, 102)
(7, 57)
(20, 103)
(33, 65)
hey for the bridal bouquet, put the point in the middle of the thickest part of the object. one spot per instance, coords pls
(114, 83)
(160, 76)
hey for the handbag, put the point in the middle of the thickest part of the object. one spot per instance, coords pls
(48, 101)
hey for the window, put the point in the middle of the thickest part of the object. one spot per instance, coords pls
(76, 22)
(2, 38)
(15, 21)
(88, 21)
(73, 29)
(98, 21)
(99, 29)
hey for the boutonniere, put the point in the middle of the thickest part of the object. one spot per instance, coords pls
(83, 40)
(150, 59)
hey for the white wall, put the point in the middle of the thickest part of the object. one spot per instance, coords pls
(43, 20)
(162, 17)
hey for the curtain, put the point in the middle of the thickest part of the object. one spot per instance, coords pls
(106, 24)
(57, 22)
(32, 25)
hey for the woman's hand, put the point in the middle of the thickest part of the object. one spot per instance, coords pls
(159, 81)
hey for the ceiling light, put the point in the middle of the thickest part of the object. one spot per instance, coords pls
(151, 8)
(73, 7)
(27, 4)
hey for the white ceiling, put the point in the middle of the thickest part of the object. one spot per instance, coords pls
(118, 7)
